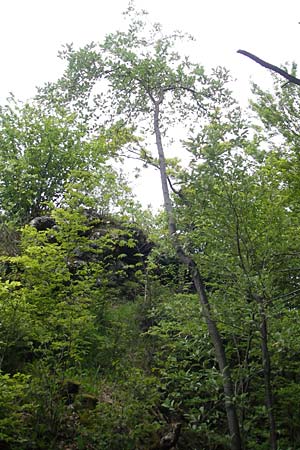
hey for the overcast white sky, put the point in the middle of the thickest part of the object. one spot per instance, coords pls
(32, 32)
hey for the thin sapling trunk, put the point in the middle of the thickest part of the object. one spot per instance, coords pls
(232, 417)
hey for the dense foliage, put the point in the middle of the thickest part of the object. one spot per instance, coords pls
(105, 342)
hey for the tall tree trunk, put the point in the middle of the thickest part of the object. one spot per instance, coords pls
(232, 417)
(266, 363)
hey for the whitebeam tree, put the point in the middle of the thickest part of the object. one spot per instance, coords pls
(147, 85)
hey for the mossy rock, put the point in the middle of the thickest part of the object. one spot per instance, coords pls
(87, 401)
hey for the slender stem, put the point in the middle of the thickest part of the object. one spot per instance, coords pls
(215, 336)
(266, 363)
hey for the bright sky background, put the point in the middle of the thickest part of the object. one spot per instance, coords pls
(32, 32)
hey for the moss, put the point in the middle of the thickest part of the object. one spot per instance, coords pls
(69, 390)
(88, 401)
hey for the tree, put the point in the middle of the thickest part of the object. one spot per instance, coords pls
(42, 152)
(150, 87)
(242, 210)
(227, 203)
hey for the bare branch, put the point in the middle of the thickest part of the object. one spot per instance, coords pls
(283, 73)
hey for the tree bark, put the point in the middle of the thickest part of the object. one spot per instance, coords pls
(232, 417)
(283, 73)
(266, 363)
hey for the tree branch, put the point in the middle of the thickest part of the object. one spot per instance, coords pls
(283, 73)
